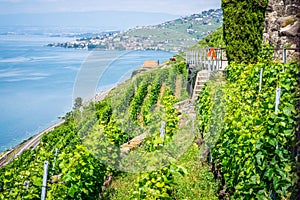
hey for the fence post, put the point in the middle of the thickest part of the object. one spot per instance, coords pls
(186, 57)
(277, 99)
(55, 156)
(221, 57)
(44, 185)
(260, 79)
(26, 185)
(284, 55)
(162, 129)
(196, 58)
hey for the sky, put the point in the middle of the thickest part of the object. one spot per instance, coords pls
(176, 7)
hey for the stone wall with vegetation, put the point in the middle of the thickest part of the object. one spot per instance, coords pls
(282, 25)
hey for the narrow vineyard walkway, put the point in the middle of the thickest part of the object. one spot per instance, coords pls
(197, 184)
(186, 111)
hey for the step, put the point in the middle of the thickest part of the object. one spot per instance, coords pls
(133, 143)
(201, 82)
(203, 74)
(201, 78)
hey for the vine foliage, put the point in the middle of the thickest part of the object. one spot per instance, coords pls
(255, 149)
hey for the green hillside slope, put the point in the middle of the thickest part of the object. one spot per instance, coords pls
(240, 144)
(175, 35)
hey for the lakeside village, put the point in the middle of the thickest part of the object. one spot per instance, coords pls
(156, 37)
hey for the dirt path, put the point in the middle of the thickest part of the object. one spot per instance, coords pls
(186, 109)
(178, 86)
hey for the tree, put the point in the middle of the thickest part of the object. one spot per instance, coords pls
(243, 29)
(78, 103)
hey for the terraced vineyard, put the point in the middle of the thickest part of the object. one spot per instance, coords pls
(77, 168)
(243, 143)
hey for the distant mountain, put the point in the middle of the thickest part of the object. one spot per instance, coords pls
(175, 35)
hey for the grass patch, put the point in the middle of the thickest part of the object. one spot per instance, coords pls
(122, 187)
(198, 183)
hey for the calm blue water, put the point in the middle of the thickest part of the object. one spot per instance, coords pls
(36, 82)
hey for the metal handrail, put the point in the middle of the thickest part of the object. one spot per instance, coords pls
(197, 56)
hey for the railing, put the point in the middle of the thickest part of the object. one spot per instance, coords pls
(214, 59)
(211, 59)
(202, 58)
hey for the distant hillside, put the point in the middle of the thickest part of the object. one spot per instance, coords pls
(215, 39)
(174, 35)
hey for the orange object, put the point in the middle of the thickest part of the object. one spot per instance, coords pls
(212, 53)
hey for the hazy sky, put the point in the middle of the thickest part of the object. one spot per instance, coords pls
(177, 7)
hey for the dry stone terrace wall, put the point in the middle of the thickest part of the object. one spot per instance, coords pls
(282, 25)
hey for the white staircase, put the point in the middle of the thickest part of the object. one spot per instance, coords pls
(202, 77)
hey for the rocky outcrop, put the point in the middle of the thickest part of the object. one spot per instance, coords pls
(282, 26)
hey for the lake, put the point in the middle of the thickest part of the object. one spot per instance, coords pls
(37, 82)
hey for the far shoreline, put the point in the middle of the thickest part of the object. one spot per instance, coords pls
(33, 141)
